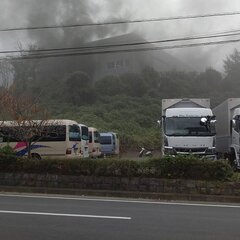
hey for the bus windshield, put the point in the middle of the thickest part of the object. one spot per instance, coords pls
(74, 133)
(186, 126)
(84, 133)
(96, 137)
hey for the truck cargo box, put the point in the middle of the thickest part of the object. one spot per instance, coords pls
(224, 114)
(184, 103)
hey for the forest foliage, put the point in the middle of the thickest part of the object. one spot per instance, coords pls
(129, 104)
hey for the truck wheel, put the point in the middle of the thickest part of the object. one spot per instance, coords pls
(232, 160)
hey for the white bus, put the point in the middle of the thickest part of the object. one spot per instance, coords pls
(59, 138)
(94, 142)
(84, 140)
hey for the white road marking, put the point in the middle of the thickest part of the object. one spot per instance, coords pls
(64, 215)
(122, 201)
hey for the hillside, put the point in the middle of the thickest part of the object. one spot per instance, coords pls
(129, 103)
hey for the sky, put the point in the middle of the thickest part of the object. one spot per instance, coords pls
(21, 13)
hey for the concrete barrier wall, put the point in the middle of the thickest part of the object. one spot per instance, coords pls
(175, 186)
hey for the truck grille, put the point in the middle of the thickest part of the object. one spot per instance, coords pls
(190, 150)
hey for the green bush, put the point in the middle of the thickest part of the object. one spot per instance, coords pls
(236, 177)
(7, 162)
(168, 167)
(190, 167)
(7, 150)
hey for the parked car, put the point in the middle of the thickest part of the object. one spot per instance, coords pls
(109, 143)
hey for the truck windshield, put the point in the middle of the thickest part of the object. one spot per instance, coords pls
(186, 126)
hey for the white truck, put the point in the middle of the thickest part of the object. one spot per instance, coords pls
(188, 127)
(228, 130)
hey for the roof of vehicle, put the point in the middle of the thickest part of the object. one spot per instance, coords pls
(44, 122)
(188, 112)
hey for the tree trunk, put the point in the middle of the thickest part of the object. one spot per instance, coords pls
(29, 149)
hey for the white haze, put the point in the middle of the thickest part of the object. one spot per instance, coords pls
(17, 13)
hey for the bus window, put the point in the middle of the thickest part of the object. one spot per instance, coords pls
(52, 134)
(8, 134)
(90, 137)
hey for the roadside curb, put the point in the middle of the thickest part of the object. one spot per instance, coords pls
(122, 194)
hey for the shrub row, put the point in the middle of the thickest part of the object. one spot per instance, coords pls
(182, 167)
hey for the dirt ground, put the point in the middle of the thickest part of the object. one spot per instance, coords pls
(135, 154)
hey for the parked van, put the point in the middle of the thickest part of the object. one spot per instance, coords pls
(94, 146)
(109, 143)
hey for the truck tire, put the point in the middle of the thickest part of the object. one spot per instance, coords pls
(232, 160)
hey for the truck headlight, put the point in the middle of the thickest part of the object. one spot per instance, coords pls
(169, 151)
(210, 150)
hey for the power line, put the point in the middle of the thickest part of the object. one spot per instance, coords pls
(121, 22)
(50, 55)
(83, 48)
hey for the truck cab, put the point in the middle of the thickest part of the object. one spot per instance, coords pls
(188, 127)
(235, 133)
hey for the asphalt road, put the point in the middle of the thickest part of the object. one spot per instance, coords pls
(24, 217)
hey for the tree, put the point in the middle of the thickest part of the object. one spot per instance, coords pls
(24, 70)
(232, 63)
(151, 77)
(232, 70)
(23, 111)
(78, 88)
(209, 82)
(134, 85)
(6, 73)
(175, 84)
(109, 86)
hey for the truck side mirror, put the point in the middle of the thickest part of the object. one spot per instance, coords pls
(235, 124)
(159, 123)
(207, 120)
